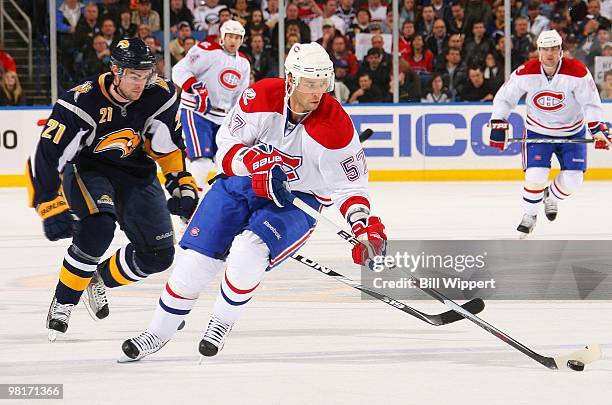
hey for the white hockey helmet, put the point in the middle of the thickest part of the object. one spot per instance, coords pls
(231, 27)
(549, 39)
(309, 61)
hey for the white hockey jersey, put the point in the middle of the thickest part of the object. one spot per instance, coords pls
(322, 155)
(560, 107)
(224, 75)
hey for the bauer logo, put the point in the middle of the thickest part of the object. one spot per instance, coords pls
(549, 101)
(230, 78)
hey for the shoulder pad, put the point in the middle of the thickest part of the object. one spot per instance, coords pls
(329, 124)
(531, 67)
(267, 95)
(572, 67)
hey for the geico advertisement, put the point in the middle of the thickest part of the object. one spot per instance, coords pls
(445, 136)
(406, 137)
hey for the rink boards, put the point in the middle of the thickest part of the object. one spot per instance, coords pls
(412, 142)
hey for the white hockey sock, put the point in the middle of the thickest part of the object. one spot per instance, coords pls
(247, 263)
(533, 190)
(192, 273)
(566, 182)
(199, 169)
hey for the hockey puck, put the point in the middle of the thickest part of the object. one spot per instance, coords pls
(575, 365)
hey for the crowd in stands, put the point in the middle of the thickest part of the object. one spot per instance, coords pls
(450, 50)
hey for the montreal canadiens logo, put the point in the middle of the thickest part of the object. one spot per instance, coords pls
(195, 231)
(549, 101)
(230, 78)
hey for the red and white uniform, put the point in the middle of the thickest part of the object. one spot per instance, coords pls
(321, 155)
(224, 75)
(559, 107)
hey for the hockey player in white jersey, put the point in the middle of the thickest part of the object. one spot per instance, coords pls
(282, 133)
(561, 100)
(212, 77)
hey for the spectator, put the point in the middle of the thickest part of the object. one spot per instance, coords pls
(271, 14)
(87, 26)
(476, 10)
(606, 88)
(292, 17)
(11, 93)
(367, 92)
(68, 16)
(493, 72)
(437, 42)
(143, 31)
(425, 24)
(409, 86)
(478, 45)
(7, 63)
(207, 14)
(98, 56)
(151, 42)
(241, 11)
(257, 26)
(456, 24)
(341, 89)
(378, 41)
(329, 15)
(176, 46)
(586, 39)
(594, 13)
(559, 23)
(537, 22)
(477, 88)
(339, 51)
(601, 40)
(307, 10)
(440, 9)
(455, 41)
(405, 39)
(108, 9)
(160, 65)
(263, 63)
(437, 93)
(346, 12)
(453, 72)
(179, 12)
(126, 28)
(522, 40)
(225, 14)
(108, 30)
(188, 43)
(407, 12)
(376, 71)
(292, 38)
(145, 15)
(421, 59)
(378, 11)
(500, 51)
(495, 29)
(361, 25)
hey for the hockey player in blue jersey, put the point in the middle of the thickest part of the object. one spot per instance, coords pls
(94, 166)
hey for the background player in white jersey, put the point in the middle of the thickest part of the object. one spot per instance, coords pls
(283, 132)
(561, 99)
(212, 77)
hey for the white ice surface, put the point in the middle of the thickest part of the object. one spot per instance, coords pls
(307, 339)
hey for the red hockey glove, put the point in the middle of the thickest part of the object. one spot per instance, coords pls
(261, 158)
(271, 184)
(602, 137)
(373, 238)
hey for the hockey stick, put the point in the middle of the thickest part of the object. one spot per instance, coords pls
(474, 306)
(365, 135)
(550, 140)
(587, 355)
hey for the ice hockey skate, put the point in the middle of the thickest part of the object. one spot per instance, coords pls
(57, 318)
(140, 346)
(95, 298)
(550, 205)
(214, 337)
(526, 226)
